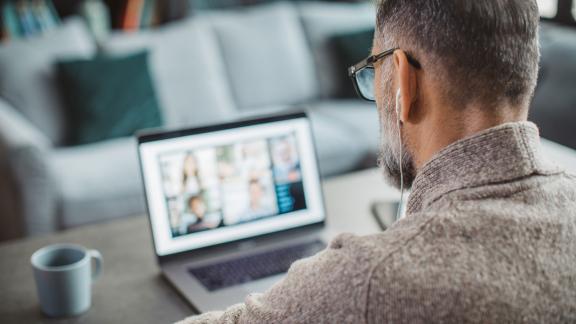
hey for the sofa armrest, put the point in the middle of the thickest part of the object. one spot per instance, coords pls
(27, 195)
(563, 156)
(15, 130)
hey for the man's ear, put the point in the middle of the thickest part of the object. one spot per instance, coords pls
(407, 83)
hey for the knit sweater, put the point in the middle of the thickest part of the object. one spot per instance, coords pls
(489, 236)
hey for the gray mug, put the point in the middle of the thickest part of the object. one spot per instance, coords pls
(64, 274)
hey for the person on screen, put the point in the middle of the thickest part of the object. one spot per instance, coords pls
(260, 203)
(201, 218)
(286, 163)
(190, 175)
(489, 233)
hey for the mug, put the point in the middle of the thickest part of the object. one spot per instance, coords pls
(64, 274)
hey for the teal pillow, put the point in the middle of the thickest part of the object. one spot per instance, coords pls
(349, 49)
(108, 97)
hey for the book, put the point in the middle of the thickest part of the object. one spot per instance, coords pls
(54, 16)
(50, 13)
(10, 20)
(148, 11)
(132, 14)
(39, 11)
(28, 23)
(97, 17)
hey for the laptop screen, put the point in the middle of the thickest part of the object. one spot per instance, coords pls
(224, 183)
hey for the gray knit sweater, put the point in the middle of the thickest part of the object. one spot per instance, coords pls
(489, 236)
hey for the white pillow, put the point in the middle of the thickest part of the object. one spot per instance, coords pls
(28, 80)
(187, 69)
(266, 55)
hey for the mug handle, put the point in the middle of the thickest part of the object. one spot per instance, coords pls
(97, 258)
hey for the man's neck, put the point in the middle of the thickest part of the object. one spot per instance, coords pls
(460, 123)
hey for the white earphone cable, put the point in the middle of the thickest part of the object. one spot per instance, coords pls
(399, 210)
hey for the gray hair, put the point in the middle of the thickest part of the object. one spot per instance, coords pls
(482, 50)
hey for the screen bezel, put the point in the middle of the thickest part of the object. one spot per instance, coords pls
(151, 136)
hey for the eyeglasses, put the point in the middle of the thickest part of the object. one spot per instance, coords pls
(362, 73)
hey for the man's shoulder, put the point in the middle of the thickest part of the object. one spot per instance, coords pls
(433, 268)
(379, 246)
(385, 251)
(475, 252)
(358, 256)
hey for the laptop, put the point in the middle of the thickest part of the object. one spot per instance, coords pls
(232, 206)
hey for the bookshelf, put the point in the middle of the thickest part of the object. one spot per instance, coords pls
(23, 18)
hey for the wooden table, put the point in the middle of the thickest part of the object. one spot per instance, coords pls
(131, 289)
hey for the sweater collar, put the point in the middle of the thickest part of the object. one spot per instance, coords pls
(499, 154)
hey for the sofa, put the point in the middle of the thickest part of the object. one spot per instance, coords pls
(212, 67)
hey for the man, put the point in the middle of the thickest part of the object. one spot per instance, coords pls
(261, 201)
(489, 233)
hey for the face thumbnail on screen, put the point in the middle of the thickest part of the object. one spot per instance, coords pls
(232, 184)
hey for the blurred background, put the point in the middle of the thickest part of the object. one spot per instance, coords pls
(79, 77)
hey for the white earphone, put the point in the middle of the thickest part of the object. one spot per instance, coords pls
(398, 96)
(399, 122)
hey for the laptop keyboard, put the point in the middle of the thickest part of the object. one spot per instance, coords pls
(253, 267)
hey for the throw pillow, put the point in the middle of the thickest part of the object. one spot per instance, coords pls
(351, 48)
(108, 97)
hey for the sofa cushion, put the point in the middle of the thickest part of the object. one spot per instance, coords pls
(108, 97)
(266, 55)
(97, 182)
(27, 77)
(186, 68)
(321, 22)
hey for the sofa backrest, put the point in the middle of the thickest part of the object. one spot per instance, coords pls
(242, 60)
(206, 68)
(187, 69)
(324, 20)
(28, 81)
(266, 55)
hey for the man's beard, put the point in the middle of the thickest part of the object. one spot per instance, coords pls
(389, 156)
